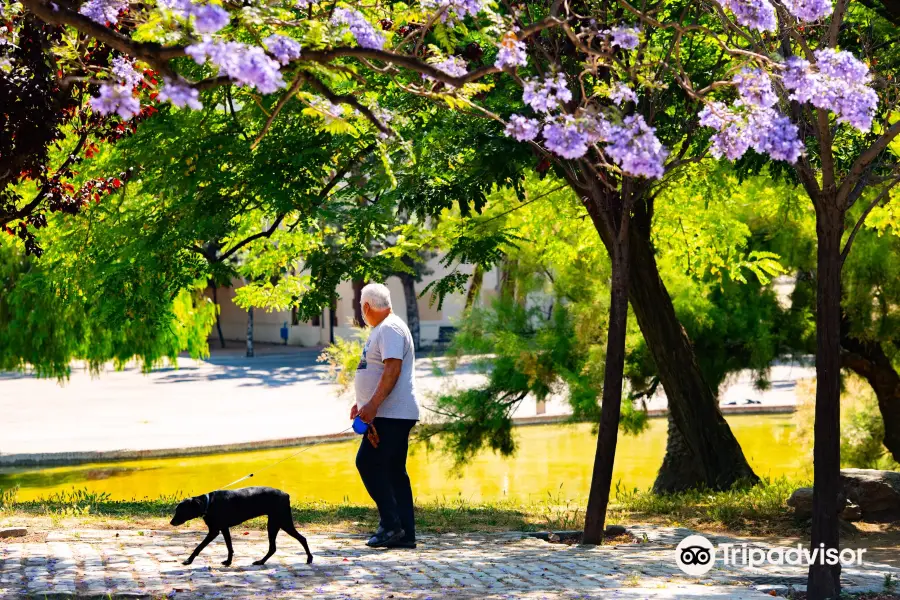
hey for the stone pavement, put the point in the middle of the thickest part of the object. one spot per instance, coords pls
(102, 563)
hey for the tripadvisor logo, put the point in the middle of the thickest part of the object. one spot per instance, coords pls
(696, 555)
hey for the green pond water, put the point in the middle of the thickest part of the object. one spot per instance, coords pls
(553, 459)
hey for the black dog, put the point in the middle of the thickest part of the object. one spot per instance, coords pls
(226, 508)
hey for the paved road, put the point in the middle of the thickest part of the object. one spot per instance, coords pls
(93, 563)
(227, 399)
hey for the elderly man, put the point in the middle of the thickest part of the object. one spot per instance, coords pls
(386, 397)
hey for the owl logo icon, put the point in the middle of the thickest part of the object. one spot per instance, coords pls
(695, 555)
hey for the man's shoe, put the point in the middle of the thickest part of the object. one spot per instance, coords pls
(407, 544)
(383, 538)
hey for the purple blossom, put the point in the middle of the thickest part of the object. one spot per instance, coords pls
(566, 137)
(181, 7)
(755, 14)
(103, 11)
(247, 65)
(809, 10)
(512, 53)
(597, 128)
(840, 84)
(453, 10)
(625, 37)
(522, 128)
(717, 116)
(283, 48)
(453, 66)
(118, 99)
(544, 96)
(636, 149)
(620, 93)
(179, 94)
(209, 18)
(305, 3)
(749, 126)
(798, 76)
(755, 88)
(363, 31)
(781, 140)
(124, 72)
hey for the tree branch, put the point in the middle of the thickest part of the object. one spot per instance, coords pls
(866, 158)
(862, 219)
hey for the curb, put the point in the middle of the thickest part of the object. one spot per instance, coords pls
(76, 458)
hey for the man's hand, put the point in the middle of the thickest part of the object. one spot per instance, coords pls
(354, 410)
(367, 413)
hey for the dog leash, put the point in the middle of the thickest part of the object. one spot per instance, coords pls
(301, 451)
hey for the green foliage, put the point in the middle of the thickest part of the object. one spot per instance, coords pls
(862, 427)
(342, 357)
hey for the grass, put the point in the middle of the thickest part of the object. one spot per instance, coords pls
(756, 510)
(751, 510)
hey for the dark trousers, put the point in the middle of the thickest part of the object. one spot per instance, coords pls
(383, 472)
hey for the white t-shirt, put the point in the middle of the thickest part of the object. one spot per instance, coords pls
(389, 339)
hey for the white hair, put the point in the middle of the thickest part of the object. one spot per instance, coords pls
(377, 295)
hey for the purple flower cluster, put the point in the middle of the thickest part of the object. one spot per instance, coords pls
(209, 18)
(512, 53)
(755, 14)
(566, 137)
(522, 128)
(620, 93)
(747, 126)
(755, 88)
(625, 37)
(116, 98)
(124, 72)
(453, 10)
(544, 96)
(179, 94)
(103, 11)
(636, 149)
(305, 3)
(283, 48)
(247, 65)
(840, 85)
(363, 31)
(809, 10)
(453, 66)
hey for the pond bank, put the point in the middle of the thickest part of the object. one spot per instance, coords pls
(41, 459)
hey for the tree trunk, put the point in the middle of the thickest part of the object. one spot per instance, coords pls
(250, 332)
(706, 442)
(716, 457)
(508, 279)
(358, 285)
(610, 408)
(218, 310)
(869, 360)
(475, 286)
(679, 470)
(824, 580)
(412, 305)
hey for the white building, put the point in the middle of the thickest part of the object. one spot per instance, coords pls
(267, 326)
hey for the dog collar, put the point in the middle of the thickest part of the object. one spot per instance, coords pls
(206, 510)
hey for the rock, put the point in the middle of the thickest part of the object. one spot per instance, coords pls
(614, 531)
(11, 532)
(801, 502)
(851, 512)
(877, 493)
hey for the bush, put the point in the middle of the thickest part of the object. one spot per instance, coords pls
(862, 427)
